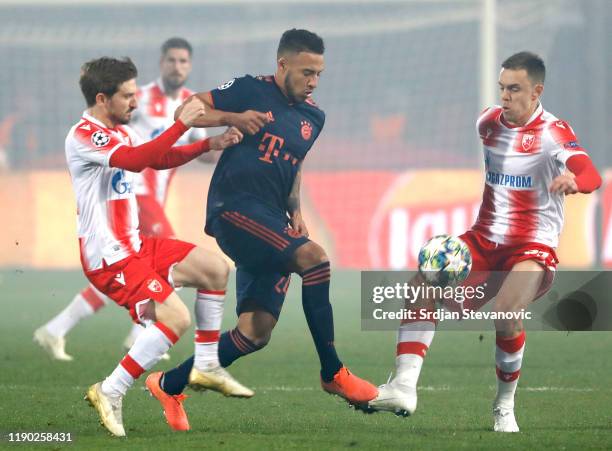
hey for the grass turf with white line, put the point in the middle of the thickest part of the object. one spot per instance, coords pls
(563, 400)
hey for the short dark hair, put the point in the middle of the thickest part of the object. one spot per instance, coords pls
(104, 75)
(297, 41)
(176, 43)
(532, 63)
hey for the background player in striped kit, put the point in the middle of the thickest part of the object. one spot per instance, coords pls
(527, 151)
(157, 102)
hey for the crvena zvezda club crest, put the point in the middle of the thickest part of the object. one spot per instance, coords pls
(528, 140)
(154, 286)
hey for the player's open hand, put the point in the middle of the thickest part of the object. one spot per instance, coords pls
(251, 121)
(564, 184)
(191, 110)
(230, 137)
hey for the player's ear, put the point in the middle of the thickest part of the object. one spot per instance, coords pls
(101, 98)
(539, 89)
(282, 63)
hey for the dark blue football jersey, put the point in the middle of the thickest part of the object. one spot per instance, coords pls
(262, 168)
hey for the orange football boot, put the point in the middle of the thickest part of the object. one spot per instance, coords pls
(172, 404)
(352, 388)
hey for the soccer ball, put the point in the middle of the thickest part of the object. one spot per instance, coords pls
(445, 260)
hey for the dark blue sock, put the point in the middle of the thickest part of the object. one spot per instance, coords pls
(174, 381)
(233, 345)
(320, 317)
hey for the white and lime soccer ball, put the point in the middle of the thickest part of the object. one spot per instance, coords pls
(445, 260)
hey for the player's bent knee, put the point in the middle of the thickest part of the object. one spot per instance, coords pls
(261, 340)
(213, 273)
(202, 269)
(218, 273)
(256, 325)
(309, 255)
(508, 304)
(174, 314)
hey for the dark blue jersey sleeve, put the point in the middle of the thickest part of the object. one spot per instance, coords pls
(233, 96)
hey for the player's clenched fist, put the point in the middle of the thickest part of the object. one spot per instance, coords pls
(230, 137)
(250, 121)
(564, 184)
(191, 110)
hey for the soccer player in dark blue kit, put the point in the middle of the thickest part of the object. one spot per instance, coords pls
(253, 211)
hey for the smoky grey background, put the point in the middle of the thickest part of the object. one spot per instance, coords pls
(416, 60)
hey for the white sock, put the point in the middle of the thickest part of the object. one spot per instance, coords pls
(148, 349)
(413, 341)
(508, 360)
(209, 314)
(84, 304)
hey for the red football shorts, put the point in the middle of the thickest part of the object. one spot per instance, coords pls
(135, 280)
(491, 263)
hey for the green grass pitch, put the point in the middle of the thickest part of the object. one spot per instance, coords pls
(564, 399)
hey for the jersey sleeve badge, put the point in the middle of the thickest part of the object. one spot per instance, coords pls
(226, 85)
(99, 138)
(306, 130)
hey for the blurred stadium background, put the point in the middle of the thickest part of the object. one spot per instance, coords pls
(399, 159)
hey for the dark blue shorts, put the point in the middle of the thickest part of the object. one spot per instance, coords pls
(262, 244)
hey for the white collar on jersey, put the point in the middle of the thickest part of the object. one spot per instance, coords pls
(160, 85)
(92, 119)
(533, 117)
(535, 114)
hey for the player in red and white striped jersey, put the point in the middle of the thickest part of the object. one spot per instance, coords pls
(532, 160)
(137, 272)
(521, 162)
(157, 102)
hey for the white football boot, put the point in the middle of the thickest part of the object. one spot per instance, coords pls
(396, 397)
(216, 378)
(504, 419)
(54, 346)
(109, 409)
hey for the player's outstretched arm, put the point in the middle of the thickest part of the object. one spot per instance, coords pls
(230, 137)
(584, 177)
(180, 155)
(249, 121)
(159, 153)
(294, 207)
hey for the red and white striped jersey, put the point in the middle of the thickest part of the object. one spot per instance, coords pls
(154, 115)
(520, 165)
(107, 213)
